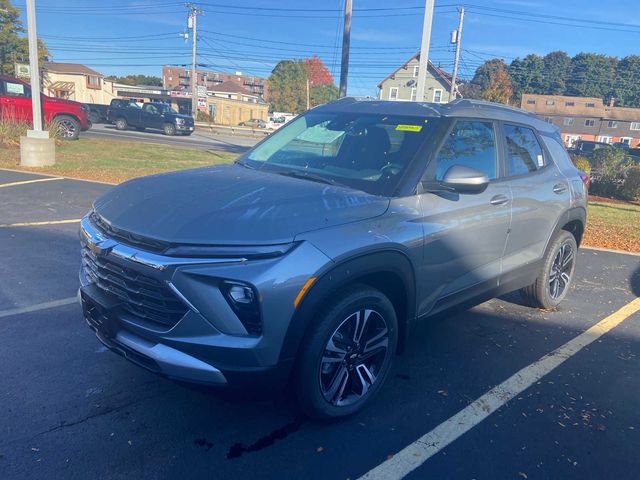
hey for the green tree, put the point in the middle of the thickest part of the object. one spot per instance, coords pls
(139, 80)
(14, 47)
(627, 86)
(288, 87)
(526, 75)
(320, 94)
(499, 89)
(481, 79)
(555, 70)
(592, 75)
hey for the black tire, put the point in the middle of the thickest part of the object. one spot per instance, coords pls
(121, 123)
(169, 129)
(66, 127)
(140, 129)
(556, 274)
(333, 349)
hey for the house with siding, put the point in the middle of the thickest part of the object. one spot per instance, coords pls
(586, 118)
(74, 81)
(402, 83)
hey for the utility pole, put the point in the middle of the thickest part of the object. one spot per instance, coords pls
(36, 149)
(193, 15)
(424, 49)
(458, 38)
(346, 40)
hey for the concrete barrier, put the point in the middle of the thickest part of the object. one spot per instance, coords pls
(233, 130)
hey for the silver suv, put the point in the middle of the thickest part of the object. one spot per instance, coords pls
(309, 259)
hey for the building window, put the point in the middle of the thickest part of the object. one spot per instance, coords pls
(548, 119)
(626, 140)
(93, 81)
(589, 122)
(635, 126)
(551, 102)
(612, 124)
(568, 121)
(413, 94)
(569, 104)
(437, 95)
(605, 139)
(416, 70)
(531, 101)
(393, 93)
(590, 105)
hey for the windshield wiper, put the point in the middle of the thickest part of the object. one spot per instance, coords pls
(308, 176)
(244, 164)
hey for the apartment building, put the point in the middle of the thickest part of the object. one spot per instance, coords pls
(179, 78)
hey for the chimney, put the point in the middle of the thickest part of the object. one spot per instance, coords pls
(612, 101)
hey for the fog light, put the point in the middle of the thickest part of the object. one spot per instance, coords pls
(241, 293)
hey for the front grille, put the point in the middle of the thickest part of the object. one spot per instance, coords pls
(144, 298)
(128, 238)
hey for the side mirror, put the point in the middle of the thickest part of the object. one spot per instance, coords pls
(463, 179)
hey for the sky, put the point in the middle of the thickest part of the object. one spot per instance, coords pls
(122, 37)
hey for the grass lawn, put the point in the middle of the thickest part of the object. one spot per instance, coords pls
(110, 161)
(613, 225)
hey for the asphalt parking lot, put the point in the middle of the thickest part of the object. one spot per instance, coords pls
(71, 409)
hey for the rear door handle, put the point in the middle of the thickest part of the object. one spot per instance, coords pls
(559, 188)
(499, 200)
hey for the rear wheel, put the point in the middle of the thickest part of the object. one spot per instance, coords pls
(121, 123)
(346, 358)
(169, 129)
(66, 127)
(94, 117)
(556, 276)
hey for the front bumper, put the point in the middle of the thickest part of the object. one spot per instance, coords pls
(205, 342)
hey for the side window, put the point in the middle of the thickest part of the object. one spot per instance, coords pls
(524, 153)
(470, 144)
(15, 89)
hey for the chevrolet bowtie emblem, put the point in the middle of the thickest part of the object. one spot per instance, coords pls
(101, 247)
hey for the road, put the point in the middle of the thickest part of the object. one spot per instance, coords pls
(71, 409)
(199, 139)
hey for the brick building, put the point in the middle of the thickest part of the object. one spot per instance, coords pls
(586, 118)
(179, 78)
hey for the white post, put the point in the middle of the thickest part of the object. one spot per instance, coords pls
(424, 49)
(37, 131)
(36, 149)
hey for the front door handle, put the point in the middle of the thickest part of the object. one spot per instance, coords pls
(559, 188)
(499, 200)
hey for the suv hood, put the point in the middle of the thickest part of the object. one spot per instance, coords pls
(231, 205)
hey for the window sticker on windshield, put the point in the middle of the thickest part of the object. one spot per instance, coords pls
(15, 88)
(540, 161)
(409, 128)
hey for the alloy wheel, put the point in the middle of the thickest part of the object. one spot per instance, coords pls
(353, 357)
(66, 128)
(561, 271)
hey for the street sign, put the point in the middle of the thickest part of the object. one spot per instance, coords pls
(202, 91)
(202, 102)
(22, 70)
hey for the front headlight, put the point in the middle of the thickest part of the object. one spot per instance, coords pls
(84, 107)
(180, 121)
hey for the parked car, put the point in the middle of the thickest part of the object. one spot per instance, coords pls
(154, 115)
(313, 256)
(254, 123)
(587, 147)
(67, 117)
(97, 112)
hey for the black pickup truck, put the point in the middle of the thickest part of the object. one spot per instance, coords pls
(157, 116)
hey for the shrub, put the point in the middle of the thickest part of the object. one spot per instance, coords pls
(203, 117)
(631, 186)
(609, 169)
(10, 133)
(582, 163)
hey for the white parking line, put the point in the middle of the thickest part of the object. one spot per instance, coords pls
(39, 306)
(26, 182)
(35, 224)
(417, 453)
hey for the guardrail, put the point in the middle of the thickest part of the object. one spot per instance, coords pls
(234, 130)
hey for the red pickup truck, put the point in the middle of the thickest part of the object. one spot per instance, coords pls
(68, 117)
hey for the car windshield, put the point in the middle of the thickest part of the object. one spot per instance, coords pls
(164, 108)
(368, 152)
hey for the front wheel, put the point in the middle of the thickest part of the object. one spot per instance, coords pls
(121, 123)
(169, 129)
(556, 276)
(66, 127)
(346, 357)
